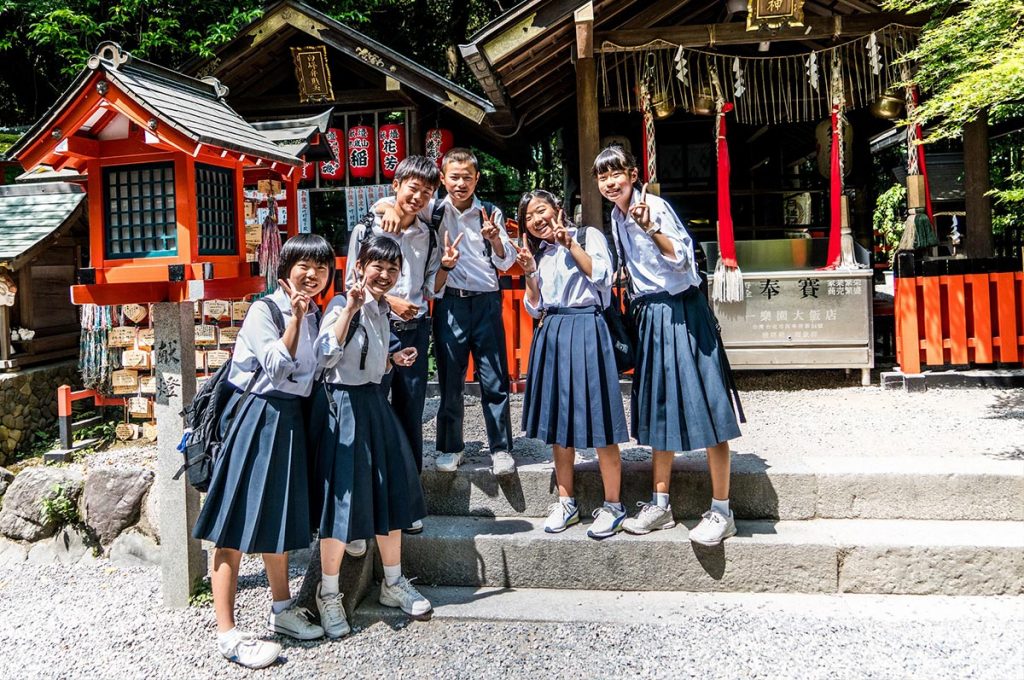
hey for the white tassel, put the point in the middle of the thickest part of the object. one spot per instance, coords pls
(728, 283)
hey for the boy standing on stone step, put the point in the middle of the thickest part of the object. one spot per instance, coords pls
(467, 317)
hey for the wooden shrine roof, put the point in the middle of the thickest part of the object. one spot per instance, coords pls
(524, 58)
(300, 136)
(193, 108)
(33, 213)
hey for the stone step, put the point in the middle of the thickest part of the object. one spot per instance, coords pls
(778, 487)
(65, 455)
(552, 605)
(912, 557)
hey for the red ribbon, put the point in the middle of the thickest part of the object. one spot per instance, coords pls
(726, 236)
(835, 236)
(920, 163)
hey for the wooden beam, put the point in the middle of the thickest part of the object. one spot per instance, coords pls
(976, 185)
(584, 18)
(816, 28)
(587, 117)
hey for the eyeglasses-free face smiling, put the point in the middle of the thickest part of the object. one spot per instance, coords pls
(617, 186)
(540, 218)
(379, 276)
(412, 195)
(308, 277)
(460, 182)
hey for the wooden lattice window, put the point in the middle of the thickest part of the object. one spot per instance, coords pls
(140, 217)
(216, 206)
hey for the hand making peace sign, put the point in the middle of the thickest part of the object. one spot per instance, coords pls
(525, 259)
(450, 255)
(562, 236)
(640, 211)
(356, 296)
(489, 230)
(298, 300)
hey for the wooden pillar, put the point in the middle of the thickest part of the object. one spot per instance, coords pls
(976, 183)
(588, 128)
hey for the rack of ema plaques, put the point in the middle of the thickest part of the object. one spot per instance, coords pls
(795, 315)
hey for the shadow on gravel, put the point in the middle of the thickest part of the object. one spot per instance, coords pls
(1009, 405)
(794, 381)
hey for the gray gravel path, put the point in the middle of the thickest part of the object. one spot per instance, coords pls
(105, 622)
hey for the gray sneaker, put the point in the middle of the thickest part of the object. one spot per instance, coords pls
(249, 651)
(332, 614)
(449, 462)
(296, 622)
(502, 463)
(714, 528)
(650, 518)
(404, 596)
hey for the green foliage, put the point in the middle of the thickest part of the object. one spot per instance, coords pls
(1007, 175)
(202, 594)
(60, 508)
(970, 58)
(887, 218)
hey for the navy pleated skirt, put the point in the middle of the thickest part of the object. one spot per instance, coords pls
(683, 396)
(258, 500)
(364, 465)
(572, 387)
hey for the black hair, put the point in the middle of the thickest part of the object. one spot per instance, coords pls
(611, 158)
(418, 167)
(376, 247)
(460, 154)
(310, 247)
(524, 203)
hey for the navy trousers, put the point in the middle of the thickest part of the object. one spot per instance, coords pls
(464, 326)
(408, 385)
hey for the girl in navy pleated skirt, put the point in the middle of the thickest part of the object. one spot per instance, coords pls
(258, 500)
(572, 388)
(683, 396)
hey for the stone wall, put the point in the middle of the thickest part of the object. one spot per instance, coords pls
(28, 402)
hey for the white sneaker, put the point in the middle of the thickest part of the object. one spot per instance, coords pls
(561, 516)
(249, 651)
(295, 622)
(650, 518)
(502, 463)
(607, 522)
(415, 528)
(404, 596)
(356, 548)
(449, 462)
(714, 528)
(332, 614)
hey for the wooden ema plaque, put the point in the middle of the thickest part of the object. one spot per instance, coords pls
(216, 309)
(126, 431)
(135, 358)
(239, 310)
(140, 407)
(135, 313)
(146, 337)
(200, 361)
(149, 431)
(206, 334)
(121, 336)
(125, 381)
(228, 335)
(147, 384)
(216, 358)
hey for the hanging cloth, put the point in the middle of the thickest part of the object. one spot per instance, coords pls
(728, 277)
(835, 194)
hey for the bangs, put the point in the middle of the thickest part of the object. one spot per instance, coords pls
(613, 158)
(310, 247)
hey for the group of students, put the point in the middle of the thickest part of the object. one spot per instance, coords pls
(311, 441)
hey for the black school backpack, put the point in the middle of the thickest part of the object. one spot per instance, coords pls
(201, 445)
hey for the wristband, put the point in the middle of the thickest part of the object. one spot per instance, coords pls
(656, 229)
(532, 275)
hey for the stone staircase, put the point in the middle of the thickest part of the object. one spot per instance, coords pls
(914, 525)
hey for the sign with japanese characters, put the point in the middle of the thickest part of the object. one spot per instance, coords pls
(361, 156)
(774, 14)
(313, 74)
(392, 148)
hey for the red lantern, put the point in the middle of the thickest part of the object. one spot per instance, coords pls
(439, 142)
(308, 170)
(333, 169)
(392, 148)
(361, 158)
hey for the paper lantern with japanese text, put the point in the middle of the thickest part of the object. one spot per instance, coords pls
(308, 170)
(361, 158)
(438, 143)
(392, 148)
(333, 169)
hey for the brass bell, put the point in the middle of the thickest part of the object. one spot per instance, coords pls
(888, 106)
(662, 105)
(703, 104)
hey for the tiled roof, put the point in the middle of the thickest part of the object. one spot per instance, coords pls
(32, 212)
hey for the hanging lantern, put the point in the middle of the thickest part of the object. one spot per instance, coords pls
(361, 159)
(332, 169)
(308, 170)
(439, 141)
(392, 148)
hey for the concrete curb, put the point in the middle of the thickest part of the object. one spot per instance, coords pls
(811, 556)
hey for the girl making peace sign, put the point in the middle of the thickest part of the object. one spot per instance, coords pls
(572, 387)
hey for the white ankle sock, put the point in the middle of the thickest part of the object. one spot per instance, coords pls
(721, 507)
(392, 574)
(280, 605)
(568, 501)
(660, 499)
(227, 638)
(617, 508)
(329, 584)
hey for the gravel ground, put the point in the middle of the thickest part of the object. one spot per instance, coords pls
(64, 633)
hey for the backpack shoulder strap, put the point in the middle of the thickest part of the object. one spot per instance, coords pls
(581, 236)
(437, 217)
(275, 313)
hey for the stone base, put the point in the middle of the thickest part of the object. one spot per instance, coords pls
(28, 402)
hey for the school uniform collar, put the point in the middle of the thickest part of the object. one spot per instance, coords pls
(476, 205)
(375, 308)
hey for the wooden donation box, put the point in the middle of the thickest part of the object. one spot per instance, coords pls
(165, 160)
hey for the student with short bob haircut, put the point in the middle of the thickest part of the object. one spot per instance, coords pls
(258, 500)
